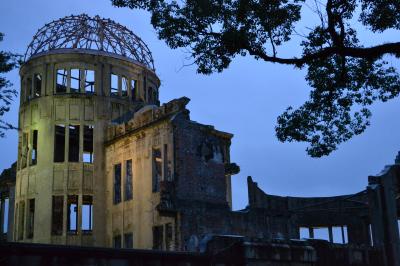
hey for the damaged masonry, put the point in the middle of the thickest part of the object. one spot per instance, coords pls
(101, 163)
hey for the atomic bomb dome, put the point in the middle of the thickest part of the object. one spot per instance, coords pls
(84, 32)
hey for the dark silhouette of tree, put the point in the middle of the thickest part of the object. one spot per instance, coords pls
(8, 62)
(346, 77)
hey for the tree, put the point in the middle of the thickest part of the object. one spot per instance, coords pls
(345, 77)
(8, 62)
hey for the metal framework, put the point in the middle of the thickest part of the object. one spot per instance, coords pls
(84, 32)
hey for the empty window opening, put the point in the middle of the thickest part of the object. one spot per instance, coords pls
(59, 143)
(339, 234)
(31, 218)
(88, 144)
(133, 89)
(128, 240)
(34, 147)
(87, 214)
(75, 80)
(72, 211)
(73, 151)
(89, 81)
(304, 233)
(25, 149)
(37, 85)
(158, 238)
(128, 181)
(117, 183)
(57, 215)
(169, 244)
(5, 207)
(21, 223)
(124, 88)
(371, 238)
(321, 233)
(114, 85)
(117, 241)
(157, 169)
(61, 83)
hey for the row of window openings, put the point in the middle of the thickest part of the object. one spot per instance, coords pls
(74, 143)
(4, 210)
(128, 241)
(334, 234)
(158, 163)
(72, 215)
(29, 152)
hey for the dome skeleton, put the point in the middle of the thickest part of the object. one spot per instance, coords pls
(84, 32)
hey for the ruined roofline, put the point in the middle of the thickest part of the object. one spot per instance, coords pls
(146, 118)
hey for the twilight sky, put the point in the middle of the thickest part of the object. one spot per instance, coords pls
(244, 100)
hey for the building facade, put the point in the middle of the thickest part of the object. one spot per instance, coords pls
(102, 163)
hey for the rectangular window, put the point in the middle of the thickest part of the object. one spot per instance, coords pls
(124, 88)
(72, 211)
(117, 183)
(114, 85)
(6, 206)
(61, 81)
(321, 233)
(169, 237)
(59, 143)
(304, 233)
(75, 80)
(25, 149)
(167, 164)
(157, 169)
(73, 151)
(117, 241)
(21, 226)
(87, 214)
(128, 181)
(88, 144)
(31, 218)
(57, 215)
(37, 79)
(133, 89)
(89, 81)
(29, 88)
(34, 147)
(157, 237)
(128, 240)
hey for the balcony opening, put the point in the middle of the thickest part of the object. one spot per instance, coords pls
(57, 215)
(88, 144)
(89, 81)
(75, 80)
(87, 214)
(59, 143)
(158, 238)
(128, 181)
(72, 211)
(73, 151)
(117, 183)
(61, 81)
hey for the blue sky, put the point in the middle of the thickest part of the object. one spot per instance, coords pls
(244, 100)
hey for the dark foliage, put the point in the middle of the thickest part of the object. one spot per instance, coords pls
(8, 62)
(345, 76)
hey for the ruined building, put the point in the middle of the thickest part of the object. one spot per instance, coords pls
(102, 163)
